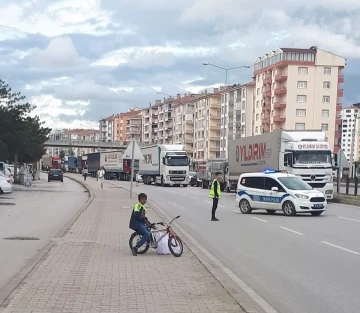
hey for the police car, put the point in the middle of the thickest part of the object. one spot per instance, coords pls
(278, 191)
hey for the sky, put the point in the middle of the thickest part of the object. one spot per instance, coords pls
(80, 61)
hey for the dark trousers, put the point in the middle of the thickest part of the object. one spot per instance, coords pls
(144, 232)
(214, 207)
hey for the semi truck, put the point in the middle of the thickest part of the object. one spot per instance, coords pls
(71, 164)
(207, 173)
(81, 162)
(46, 162)
(165, 165)
(112, 162)
(303, 153)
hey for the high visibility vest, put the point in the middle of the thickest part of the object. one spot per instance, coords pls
(139, 207)
(212, 191)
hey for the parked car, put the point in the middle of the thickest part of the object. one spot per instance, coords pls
(194, 181)
(55, 174)
(6, 185)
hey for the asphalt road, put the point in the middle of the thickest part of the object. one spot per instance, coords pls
(301, 264)
(40, 211)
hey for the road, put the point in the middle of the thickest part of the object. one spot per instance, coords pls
(297, 264)
(41, 212)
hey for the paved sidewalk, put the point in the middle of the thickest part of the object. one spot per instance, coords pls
(92, 270)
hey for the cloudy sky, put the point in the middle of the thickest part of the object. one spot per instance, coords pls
(81, 60)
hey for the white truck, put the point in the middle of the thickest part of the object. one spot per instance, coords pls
(303, 153)
(165, 165)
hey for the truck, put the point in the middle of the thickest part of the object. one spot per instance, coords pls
(305, 154)
(71, 164)
(81, 162)
(46, 162)
(112, 162)
(207, 173)
(165, 165)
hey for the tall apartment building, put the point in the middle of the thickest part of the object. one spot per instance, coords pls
(299, 89)
(245, 111)
(149, 123)
(133, 127)
(207, 126)
(106, 127)
(121, 125)
(350, 132)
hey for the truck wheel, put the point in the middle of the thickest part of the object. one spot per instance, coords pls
(227, 189)
(185, 185)
(162, 181)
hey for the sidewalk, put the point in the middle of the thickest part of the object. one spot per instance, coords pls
(92, 270)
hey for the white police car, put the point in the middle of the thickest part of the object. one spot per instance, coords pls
(275, 191)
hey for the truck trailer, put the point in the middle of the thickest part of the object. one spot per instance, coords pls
(207, 173)
(303, 153)
(165, 165)
(71, 164)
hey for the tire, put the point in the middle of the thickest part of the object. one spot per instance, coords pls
(175, 242)
(271, 211)
(48, 180)
(317, 213)
(289, 208)
(185, 185)
(162, 181)
(62, 180)
(145, 247)
(245, 207)
(227, 189)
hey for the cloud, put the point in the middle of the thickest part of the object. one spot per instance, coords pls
(85, 59)
(60, 53)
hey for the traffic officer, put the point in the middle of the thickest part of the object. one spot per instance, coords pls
(215, 193)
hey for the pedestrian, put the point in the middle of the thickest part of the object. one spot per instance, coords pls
(101, 176)
(215, 194)
(85, 172)
(139, 222)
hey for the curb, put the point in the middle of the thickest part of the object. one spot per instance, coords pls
(353, 202)
(239, 295)
(7, 293)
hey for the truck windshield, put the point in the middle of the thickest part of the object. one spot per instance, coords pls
(312, 157)
(176, 161)
(294, 183)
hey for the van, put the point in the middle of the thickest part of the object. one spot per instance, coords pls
(278, 191)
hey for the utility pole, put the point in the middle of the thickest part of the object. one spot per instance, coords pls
(132, 165)
(353, 133)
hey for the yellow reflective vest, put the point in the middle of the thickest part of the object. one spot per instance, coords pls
(212, 191)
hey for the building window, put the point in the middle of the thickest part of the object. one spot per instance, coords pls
(300, 112)
(256, 129)
(325, 113)
(326, 99)
(326, 85)
(303, 70)
(302, 84)
(327, 70)
(272, 127)
(257, 117)
(300, 126)
(258, 78)
(257, 104)
(325, 127)
(301, 98)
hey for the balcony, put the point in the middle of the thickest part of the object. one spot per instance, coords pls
(215, 127)
(281, 77)
(214, 149)
(189, 131)
(269, 80)
(341, 79)
(280, 105)
(280, 91)
(214, 138)
(340, 93)
(339, 107)
(266, 121)
(268, 94)
(215, 105)
(337, 134)
(337, 122)
(215, 117)
(279, 118)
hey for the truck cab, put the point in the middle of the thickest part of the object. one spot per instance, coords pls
(312, 162)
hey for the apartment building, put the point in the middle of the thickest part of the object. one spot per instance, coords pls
(299, 89)
(183, 122)
(121, 125)
(106, 127)
(245, 111)
(350, 135)
(149, 123)
(133, 127)
(207, 127)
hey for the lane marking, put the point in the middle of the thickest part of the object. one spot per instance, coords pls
(218, 264)
(293, 231)
(259, 219)
(221, 206)
(207, 201)
(195, 198)
(340, 248)
(236, 211)
(349, 219)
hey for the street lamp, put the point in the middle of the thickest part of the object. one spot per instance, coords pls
(225, 90)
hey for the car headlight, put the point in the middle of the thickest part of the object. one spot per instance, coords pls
(301, 196)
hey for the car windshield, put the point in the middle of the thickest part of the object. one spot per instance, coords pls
(55, 171)
(294, 183)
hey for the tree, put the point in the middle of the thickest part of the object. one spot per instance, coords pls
(20, 132)
(71, 152)
(62, 154)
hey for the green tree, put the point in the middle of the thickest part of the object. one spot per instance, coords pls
(62, 154)
(21, 133)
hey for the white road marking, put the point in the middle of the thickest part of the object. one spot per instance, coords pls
(195, 198)
(293, 231)
(217, 263)
(221, 206)
(341, 248)
(259, 219)
(236, 211)
(207, 201)
(349, 219)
